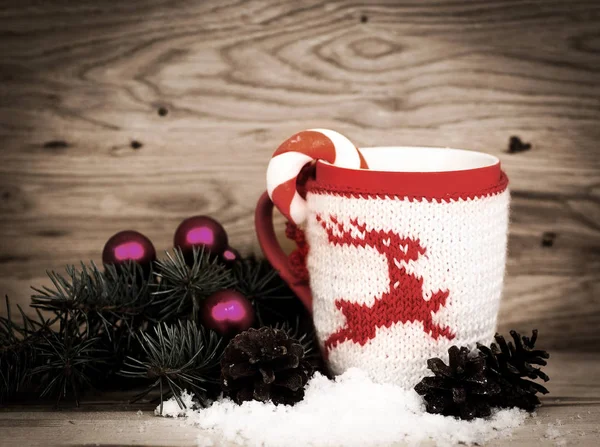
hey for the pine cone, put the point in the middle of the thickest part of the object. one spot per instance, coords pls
(460, 389)
(264, 364)
(507, 364)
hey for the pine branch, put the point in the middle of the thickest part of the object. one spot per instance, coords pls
(121, 291)
(115, 302)
(182, 288)
(17, 350)
(262, 285)
(104, 319)
(180, 356)
(67, 358)
(256, 279)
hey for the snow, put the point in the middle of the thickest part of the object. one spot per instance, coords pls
(172, 409)
(553, 433)
(349, 411)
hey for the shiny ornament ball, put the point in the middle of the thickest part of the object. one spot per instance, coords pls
(230, 256)
(200, 231)
(128, 246)
(227, 312)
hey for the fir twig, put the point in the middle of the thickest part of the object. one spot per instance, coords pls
(17, 349)
(182, 288)
(262, 285)
(255, 278)
(100, 321)
(115, 296)
(179, 356)
(67, 358)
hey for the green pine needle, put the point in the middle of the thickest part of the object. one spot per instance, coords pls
(17, 350)
(115, 321)
(256, 279)
(261, 284)
(179, 356)
(182, 288)
(67, 358)
(112, 301)
(120, 290)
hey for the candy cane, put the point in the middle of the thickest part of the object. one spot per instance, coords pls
(294, 154)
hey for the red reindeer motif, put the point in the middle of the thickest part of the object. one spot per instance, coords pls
(403, 303)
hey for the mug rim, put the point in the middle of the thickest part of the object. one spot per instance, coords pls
(453, 184)
(477, 158)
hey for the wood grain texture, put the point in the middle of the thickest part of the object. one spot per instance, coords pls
(138, 114)
(572, 407)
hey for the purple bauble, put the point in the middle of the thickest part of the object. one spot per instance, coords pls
(230, 256)
(200, 231)
(128, 246)
(227, 312)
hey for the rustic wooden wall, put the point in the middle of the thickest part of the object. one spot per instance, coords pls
(136, 114)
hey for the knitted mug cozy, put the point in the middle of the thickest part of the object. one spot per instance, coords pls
(401, 264)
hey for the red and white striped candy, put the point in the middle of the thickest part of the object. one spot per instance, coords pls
(298, 150)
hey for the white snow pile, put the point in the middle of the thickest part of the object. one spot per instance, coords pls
(350, 411)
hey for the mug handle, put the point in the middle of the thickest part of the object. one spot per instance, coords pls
(263, 221)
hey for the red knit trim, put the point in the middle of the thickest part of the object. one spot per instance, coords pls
(403, 303)
(413, 186)
(297, 259)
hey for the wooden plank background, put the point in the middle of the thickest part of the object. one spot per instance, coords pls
(137, 114)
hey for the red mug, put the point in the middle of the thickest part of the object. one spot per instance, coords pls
(404, 259)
